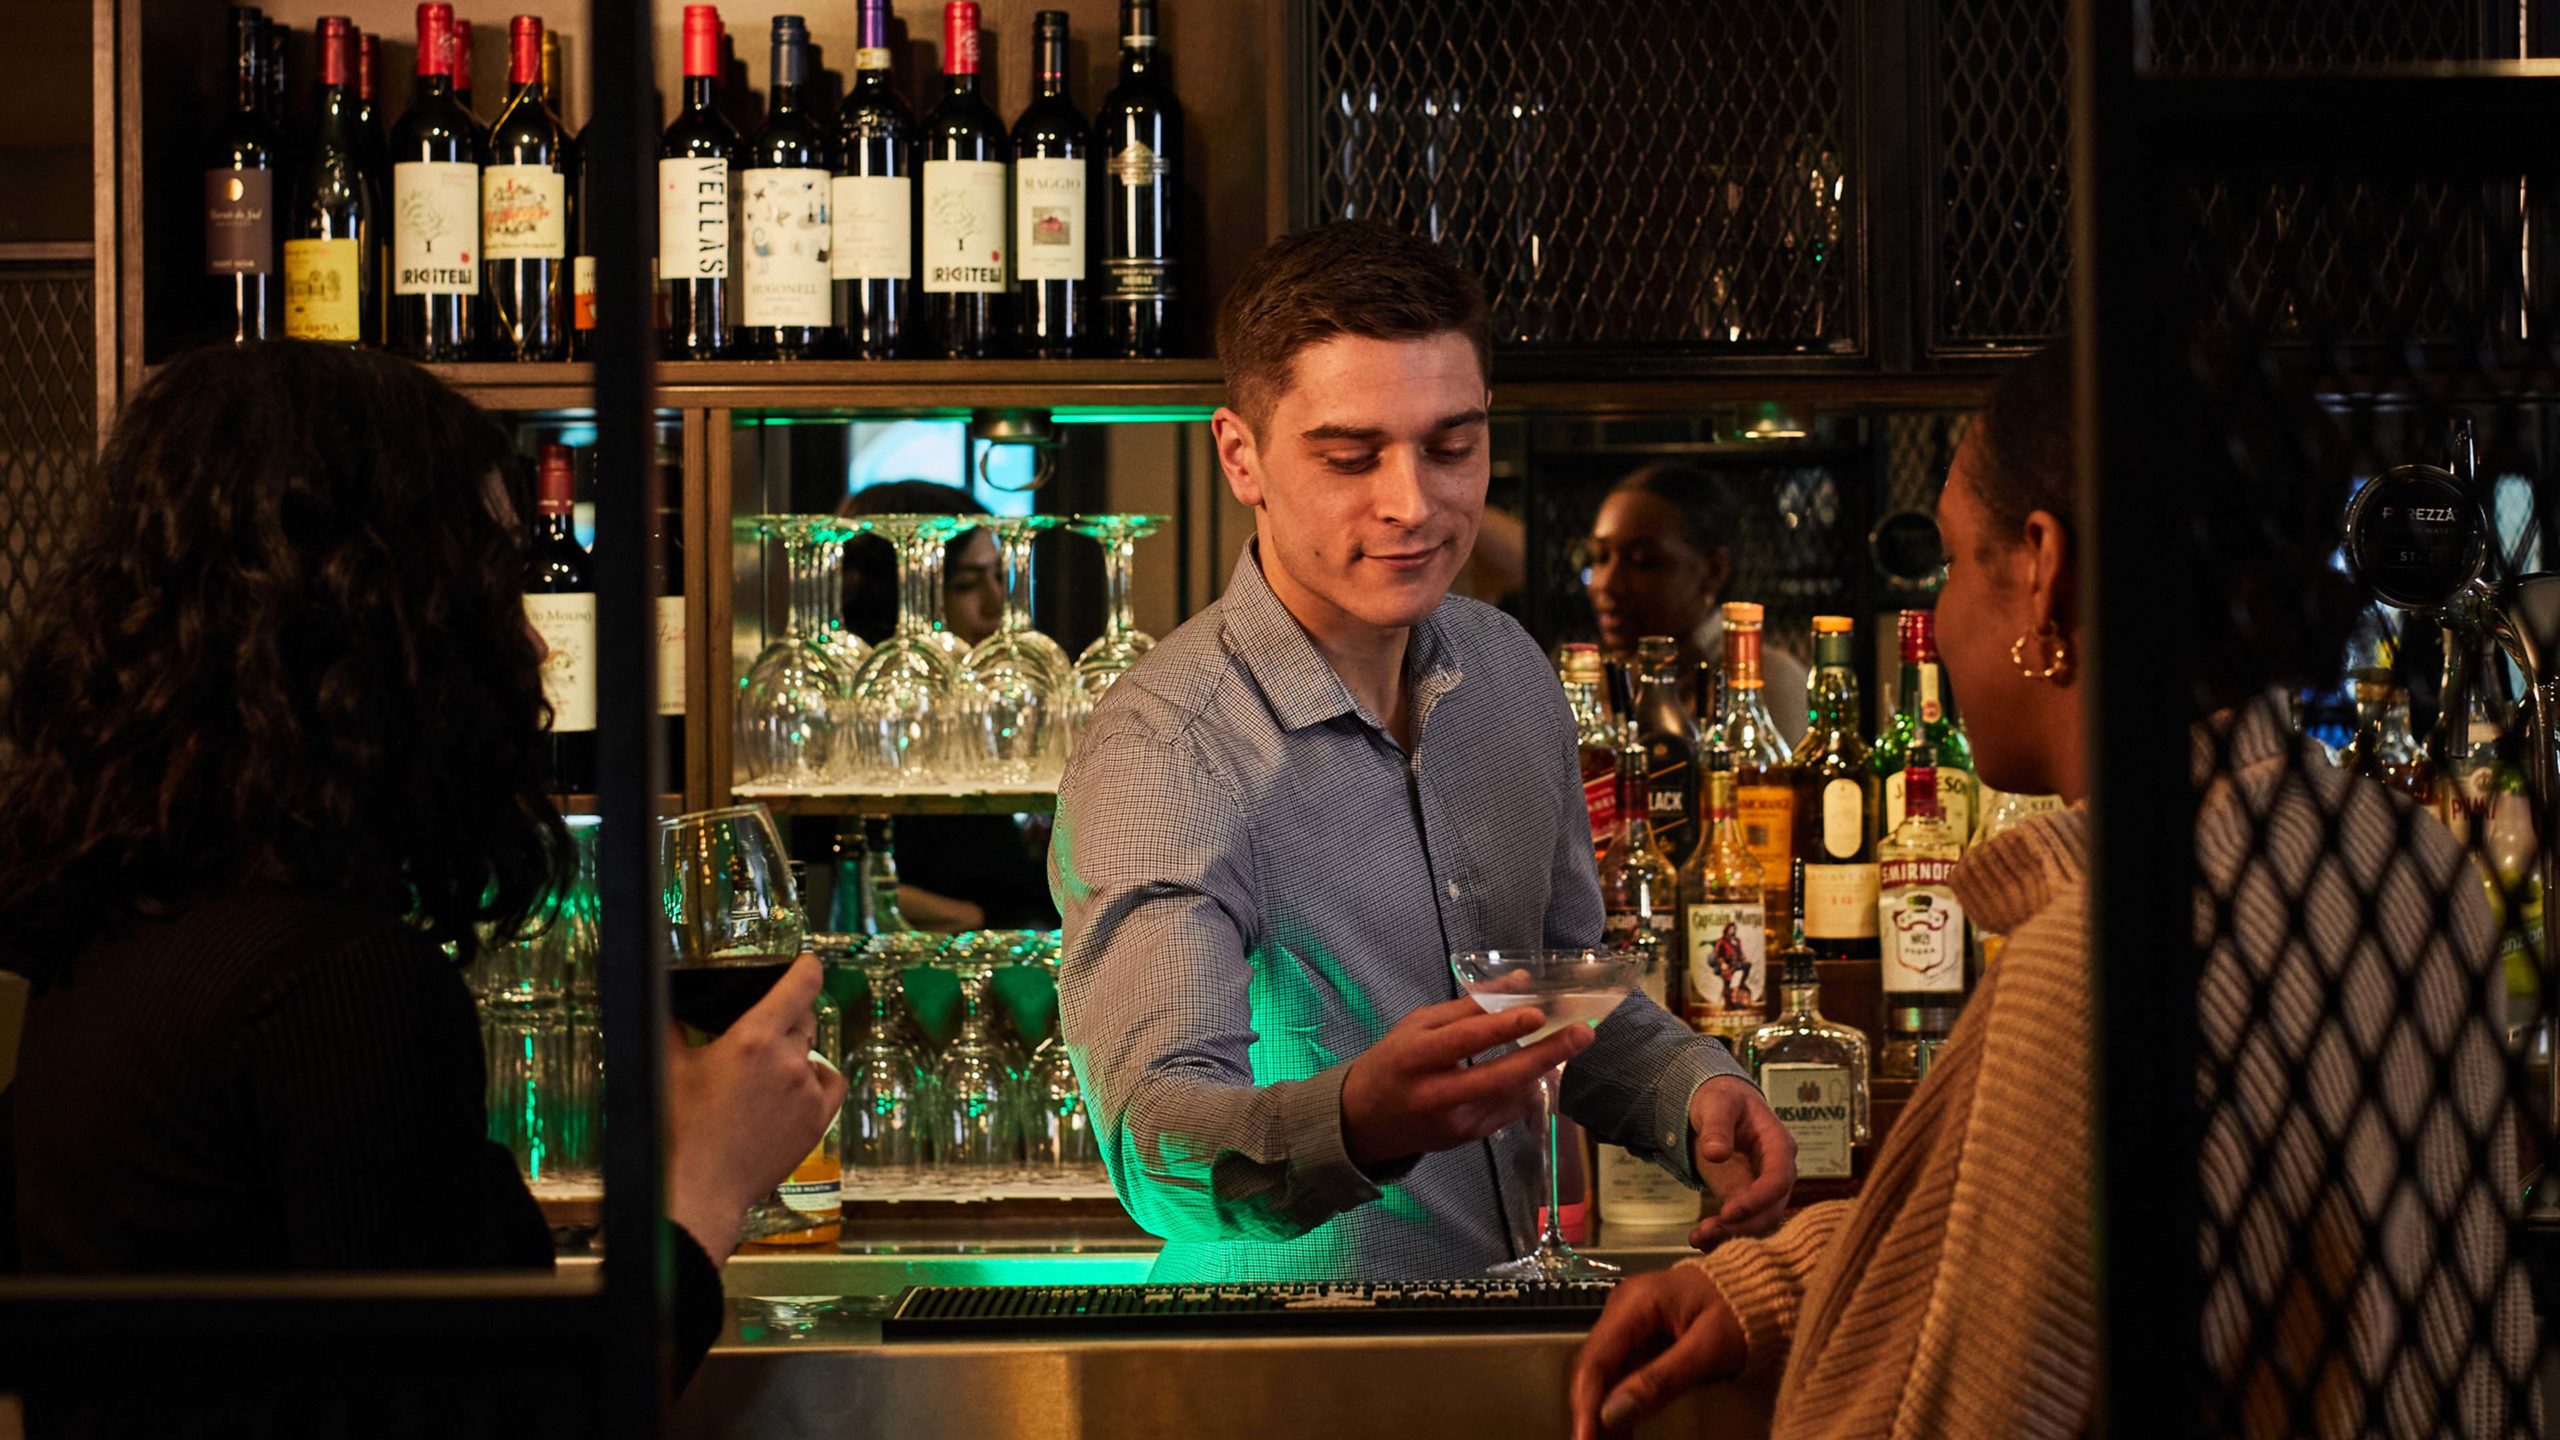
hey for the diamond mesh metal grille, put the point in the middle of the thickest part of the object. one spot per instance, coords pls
(48, 422)
(2002, 218)
(2371, 965)
(1669, 174)
(2202, 36)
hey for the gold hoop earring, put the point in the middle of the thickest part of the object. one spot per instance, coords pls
(2049, 648)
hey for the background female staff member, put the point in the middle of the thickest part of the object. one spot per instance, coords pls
(1956, 1296)
(272, 740)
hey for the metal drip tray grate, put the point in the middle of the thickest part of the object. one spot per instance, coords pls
(942, 1312)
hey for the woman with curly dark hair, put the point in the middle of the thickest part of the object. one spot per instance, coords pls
(270, 740)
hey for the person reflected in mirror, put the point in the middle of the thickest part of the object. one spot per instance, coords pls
(1659, 561)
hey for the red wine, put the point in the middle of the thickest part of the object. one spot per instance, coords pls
(1050, 143)
(1140, 132)
(435, 198)
(966, 269)
(333, 233)
(241, 195)
(560, 604)
(874, 252)
(524, 211)
(696, 162)
(711, 998)
(787, 296)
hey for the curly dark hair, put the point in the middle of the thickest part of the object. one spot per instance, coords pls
(288, 648)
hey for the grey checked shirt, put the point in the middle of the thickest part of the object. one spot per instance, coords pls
(1257, 883)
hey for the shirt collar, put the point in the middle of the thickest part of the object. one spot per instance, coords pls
(1295, 678)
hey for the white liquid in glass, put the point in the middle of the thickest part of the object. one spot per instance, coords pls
(1578, 1005)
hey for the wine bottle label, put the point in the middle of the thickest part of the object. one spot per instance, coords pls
(671, 634)
(1048, 219)
(693, 218)
(1728, 960)
(324, 289)
(788, 277)
(1139, 279)
(1840, 902)
(1923, 940)
(1844, 818)
(582, 293)
(964, 227)
(1955, 801)
(567, 625)
(239, 222)
(435, 227)
(1815, 1103)
(1768, 817)
(874, 219)
(1635, 1191)
(524, 212)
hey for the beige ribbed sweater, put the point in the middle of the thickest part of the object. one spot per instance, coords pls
(1956, 1295)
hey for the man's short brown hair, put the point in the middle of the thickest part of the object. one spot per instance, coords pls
(1353, 277)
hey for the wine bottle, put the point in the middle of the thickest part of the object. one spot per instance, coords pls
(1140, 132)
(695, 162)
(240, 194)
(368, 117)
(524, 211)
(874, 252)
(1050, 145)
(560, 604)
(462, 70)
(966, 273)
(786, 308)
(273, 40)
(435, 208)
(582, 261)
(668, 555)
(333, 243)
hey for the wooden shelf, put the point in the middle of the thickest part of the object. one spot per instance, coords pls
(969, 802)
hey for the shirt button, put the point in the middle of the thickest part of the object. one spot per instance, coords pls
(1453, 889)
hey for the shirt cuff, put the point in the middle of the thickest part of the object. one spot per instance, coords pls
(1678, 1094)
(1322, 1177)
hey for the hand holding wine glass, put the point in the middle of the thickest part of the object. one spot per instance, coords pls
(743, 1109)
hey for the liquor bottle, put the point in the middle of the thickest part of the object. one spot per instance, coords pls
(881, 914)
(1596, 740)
(1140, 132)
(2003, 811)
(873, 256)
(807, 1208)
(966, 269)
(1835, 810)
(333, 236)
(240, 195)
(274, 43)
(667, 552)
(849, 890)
(787, 295)
(1813, 1070)
(1921, 922)
(695, 162)
(462, 95)
(1050, 143)
(1725, 911)
(435, 207)
(2382, 748)
(1763, 780)
(524, 210)
(1923, 712)
(560, 603)
(1671, 744)
(1639, 889)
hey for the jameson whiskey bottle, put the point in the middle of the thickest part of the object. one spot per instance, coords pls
(1813, 1070)
(1670, 743)
(1724, 909)
(1598, 743)
(1924, 713)
(1639, 891)
(1922, 924)
(1763, 782)
(1835, 814)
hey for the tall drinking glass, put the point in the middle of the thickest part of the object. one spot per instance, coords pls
(1570, 987)
(733, 919)
(1016, 682)
(788, 709)
(902, 699)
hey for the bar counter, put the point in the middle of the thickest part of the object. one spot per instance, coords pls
(815, 1363)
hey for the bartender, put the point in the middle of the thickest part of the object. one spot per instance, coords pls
(1279, 825)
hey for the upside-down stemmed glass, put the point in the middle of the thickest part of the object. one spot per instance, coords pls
(888, 1116)
(1016, 683)
(1057, 1128)
(788, 709)
(900, 709)
(826, 603)
(973, 1080)
(1571, 987)
(1122, 642)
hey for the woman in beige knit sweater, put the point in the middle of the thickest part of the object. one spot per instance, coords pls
(1957, 1295)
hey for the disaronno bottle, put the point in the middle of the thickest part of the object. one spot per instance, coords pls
(1813, 1070)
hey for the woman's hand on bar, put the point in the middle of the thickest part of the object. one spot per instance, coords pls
(746, 1108)
(1746, 1154)
(1677, 1312)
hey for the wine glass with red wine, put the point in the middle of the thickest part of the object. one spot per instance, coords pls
(733, 914)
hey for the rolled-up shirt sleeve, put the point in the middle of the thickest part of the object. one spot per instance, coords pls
(1152, 866)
